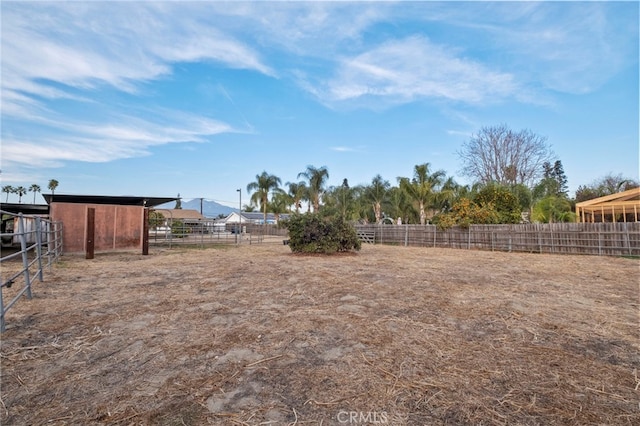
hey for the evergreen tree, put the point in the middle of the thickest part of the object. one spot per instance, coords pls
(553, 182)
(547, 170)
(561, 178)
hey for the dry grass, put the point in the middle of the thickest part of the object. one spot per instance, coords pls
(256, 335)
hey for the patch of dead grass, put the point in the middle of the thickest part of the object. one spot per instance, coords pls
(256, 335)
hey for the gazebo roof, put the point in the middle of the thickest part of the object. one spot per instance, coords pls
(622, 202)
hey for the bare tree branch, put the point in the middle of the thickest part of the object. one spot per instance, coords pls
(498, 154)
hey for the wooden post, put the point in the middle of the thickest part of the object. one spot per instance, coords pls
(145, 231)
(613, 213)
(406, 235)
(91, 231)
(435, 230)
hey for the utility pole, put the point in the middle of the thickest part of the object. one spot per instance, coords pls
(239, 233)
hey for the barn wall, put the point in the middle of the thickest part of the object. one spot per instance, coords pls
(131, 235)
(116, 227)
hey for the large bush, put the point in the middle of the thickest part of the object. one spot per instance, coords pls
(502, 201)
(314, 233)
(466, 212)
(493, 204)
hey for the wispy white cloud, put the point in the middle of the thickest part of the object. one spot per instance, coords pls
(69, 140)
(342, 149)
(570, 47)
(414, 68)
(464, 133)
(84, 44)
(341, 53)
(579, 52)
(75, 52)
(311, 29)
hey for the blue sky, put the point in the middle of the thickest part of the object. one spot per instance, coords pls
(161, 98)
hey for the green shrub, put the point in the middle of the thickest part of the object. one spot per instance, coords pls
(314, 233)
(465, 213)
(500, 200)
(178, 230)
(155, 219)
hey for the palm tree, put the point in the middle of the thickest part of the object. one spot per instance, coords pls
(53, 184)
(446, 195)
(552, 209)
(376, 193)
(297, 192)
(21, 190)
(341, 200)
(35, 189)
(422, 187)
(316, 178)
(264, 184)
(280, 203)
(400, 205)
(8, 189)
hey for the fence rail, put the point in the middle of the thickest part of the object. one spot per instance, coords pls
(35, 242)
(604, 239)
(205, 232)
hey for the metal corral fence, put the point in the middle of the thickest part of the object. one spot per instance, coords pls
(35, 242)
(605, 239)
(208, 232)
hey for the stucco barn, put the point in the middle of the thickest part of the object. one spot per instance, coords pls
(102, 223)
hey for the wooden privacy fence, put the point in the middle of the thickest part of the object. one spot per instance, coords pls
(35, 242)
(605, 239)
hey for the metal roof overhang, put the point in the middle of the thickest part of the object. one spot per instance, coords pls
(108, 199)
(29, 209)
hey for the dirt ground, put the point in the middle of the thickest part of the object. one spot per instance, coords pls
(255, 335)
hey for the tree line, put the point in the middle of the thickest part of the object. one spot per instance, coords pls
(516, 179)
(21, 191)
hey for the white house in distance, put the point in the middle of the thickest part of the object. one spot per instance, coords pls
(255, 218)
(191, 219)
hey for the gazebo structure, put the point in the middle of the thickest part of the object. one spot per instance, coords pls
(621, 207)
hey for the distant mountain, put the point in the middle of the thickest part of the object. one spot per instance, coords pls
(209, 208)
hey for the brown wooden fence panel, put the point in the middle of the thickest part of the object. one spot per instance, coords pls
(604, 239)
